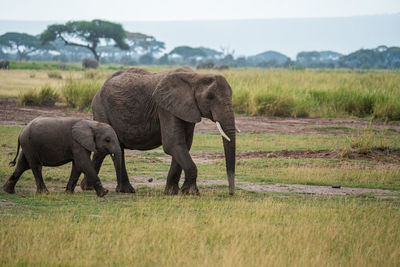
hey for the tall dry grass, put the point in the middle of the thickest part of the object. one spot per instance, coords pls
(316, 93)
(247, 230)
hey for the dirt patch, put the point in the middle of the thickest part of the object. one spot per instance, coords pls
(385, 156)
(13, 114)
(4, 203)
(142, 181)
(300, 126)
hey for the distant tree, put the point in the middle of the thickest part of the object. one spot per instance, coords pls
(212, 53)
(144, 44)
(164, 60)
(23, 44)
(146, 59)
(308, 59)
(188, 52)
(87, 34)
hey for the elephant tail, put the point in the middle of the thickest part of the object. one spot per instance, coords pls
(12, 163)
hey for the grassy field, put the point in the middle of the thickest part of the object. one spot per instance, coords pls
(272, 92)
(215, 229)
(248, 229)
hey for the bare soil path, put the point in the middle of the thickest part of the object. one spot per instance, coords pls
(13, 114)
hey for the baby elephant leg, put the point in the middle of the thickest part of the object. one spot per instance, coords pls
(97, 161)
(83, 162)
(22, 166)
(73, 179)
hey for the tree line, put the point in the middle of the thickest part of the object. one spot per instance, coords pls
(108, 42)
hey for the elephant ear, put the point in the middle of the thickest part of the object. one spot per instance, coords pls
(175, 94)
(84, 135)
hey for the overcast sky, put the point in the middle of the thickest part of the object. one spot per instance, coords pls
(131, 10)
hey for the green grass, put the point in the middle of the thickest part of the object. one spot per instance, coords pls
(149, 229)
(78, 93)
(248, 229)
(46, 96)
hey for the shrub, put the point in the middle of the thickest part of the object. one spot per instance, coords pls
(46, 96)
(90, 74)
(54, 75)
(79, 93)
(273, 105)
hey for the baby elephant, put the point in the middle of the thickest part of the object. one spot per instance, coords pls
(56, 141)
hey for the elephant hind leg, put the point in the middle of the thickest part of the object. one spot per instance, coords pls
(40, 185)
(22, 166)
(73, 179)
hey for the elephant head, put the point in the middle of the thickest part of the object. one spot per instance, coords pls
(189, 96)
(98, 137)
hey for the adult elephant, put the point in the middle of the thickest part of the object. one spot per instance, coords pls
(4, 64)
(148, 109)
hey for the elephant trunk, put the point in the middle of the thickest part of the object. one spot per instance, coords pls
(228, 132)
(117, 159)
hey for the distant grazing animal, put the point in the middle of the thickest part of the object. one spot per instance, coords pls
(148, 110)
(4, 64)
(47, 141)
(205, 65)
(89, 63)
(62, 66)
(221, 67)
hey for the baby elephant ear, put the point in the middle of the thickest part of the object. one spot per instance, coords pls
(83, 134)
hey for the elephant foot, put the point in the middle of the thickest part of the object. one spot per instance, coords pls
(190, 189)
(69, 191)
(101, 192)
(171, 189)
(9, 188)
(42, 190)
(85, 186)
(126, 188)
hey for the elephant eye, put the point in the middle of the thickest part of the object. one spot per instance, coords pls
(108, 139)
(208, 80)
(210, 96)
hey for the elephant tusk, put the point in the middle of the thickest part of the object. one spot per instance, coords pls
(222, 131)
(237, 129)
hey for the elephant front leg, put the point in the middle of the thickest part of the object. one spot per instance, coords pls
(182, 156)
(82, 161)
(97, 161)
(123, 184)
(174, 174)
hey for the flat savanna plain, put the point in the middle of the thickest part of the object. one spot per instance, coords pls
(284, 212)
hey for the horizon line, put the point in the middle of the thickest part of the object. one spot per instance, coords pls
(209, 20)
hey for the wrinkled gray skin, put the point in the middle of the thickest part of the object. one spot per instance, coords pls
(56, 141)
(89, 63)
(147, 110)
(4, 64)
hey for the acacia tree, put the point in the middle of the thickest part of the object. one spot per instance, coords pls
(188, 52)
(86, 34)
(144, 44)
(23, 44)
